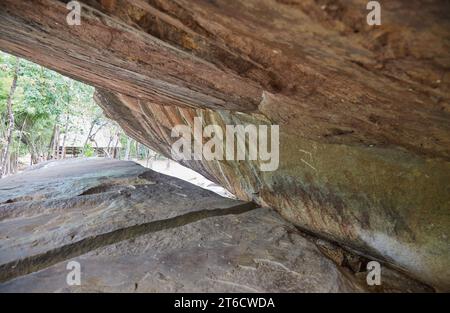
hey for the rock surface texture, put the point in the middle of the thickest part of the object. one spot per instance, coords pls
(132, 229)
(364, 111)
(136, 230)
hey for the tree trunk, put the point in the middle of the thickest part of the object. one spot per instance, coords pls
(116, 154)
(66, 128)
(137, 150)
(89, 134)
(148, 156)
(20, 141)
(34, 155)
(56, 144)
(127, 151)
(31, 148)
(108, 147)
(53, 140)
(5, 156)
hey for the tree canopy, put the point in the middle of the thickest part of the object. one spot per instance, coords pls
(47, 105)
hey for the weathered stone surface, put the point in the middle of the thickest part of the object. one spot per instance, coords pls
(363, 111)
(385, 203)
(85, 198)
(149, 232)
(299, 63)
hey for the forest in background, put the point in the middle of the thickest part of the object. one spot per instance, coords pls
(43, 114)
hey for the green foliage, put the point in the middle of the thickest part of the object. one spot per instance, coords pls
(88, 150)
(43, 99)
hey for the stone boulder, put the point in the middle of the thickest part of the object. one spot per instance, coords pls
(363, 111)
(132, 229)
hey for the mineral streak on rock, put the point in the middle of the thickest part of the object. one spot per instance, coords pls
(132, 229)
(127, 225)
(364, 112)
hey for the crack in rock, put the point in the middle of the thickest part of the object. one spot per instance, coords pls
(41, 261)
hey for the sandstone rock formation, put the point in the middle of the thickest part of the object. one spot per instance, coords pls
(363, 111)
(132, 229)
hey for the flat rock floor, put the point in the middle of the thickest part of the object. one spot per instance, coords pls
(132, 229)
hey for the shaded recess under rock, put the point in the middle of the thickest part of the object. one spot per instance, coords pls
(364, 112)
(132, 229)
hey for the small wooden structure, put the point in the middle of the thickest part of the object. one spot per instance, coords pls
(103, 139)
